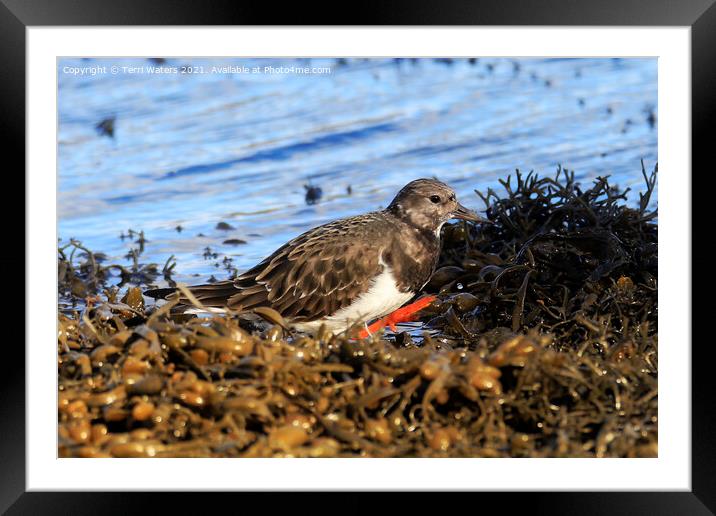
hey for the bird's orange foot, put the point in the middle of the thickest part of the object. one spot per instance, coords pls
(401, 315)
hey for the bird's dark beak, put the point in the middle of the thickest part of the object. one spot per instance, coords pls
(466, 214)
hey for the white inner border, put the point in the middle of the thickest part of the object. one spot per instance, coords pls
(671, 471)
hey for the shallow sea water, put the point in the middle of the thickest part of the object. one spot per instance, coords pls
(193, 150)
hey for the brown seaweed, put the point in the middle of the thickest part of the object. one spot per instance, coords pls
(543, 343)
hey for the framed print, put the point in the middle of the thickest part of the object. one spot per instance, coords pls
(384, 256)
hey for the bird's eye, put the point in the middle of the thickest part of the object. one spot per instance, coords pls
(435, 199)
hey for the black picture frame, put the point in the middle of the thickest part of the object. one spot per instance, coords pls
(17, 15)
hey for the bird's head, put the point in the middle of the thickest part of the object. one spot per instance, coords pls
(428, 204)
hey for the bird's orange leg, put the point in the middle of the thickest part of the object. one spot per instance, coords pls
(404, 314)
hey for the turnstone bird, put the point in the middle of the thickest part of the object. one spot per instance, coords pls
(349, 271)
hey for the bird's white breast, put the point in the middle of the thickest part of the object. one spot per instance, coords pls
(207, 310)
(382, 298)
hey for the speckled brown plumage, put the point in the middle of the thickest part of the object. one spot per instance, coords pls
(327, 268)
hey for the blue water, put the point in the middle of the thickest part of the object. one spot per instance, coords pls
(192, 150)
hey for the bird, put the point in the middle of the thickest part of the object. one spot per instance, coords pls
(347, 272)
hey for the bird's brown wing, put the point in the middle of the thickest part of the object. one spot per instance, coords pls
(310, 277)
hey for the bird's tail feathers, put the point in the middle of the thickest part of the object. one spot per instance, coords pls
(160, 293)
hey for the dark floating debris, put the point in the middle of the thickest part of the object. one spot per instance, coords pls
(179, 228)
(627, 124)
(224, 226)
(208, 254)
(313, 193)
(543, 343)
(650, 113)
(106, 126)
(234, 241)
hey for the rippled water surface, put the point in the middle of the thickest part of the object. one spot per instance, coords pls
(192, 150)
